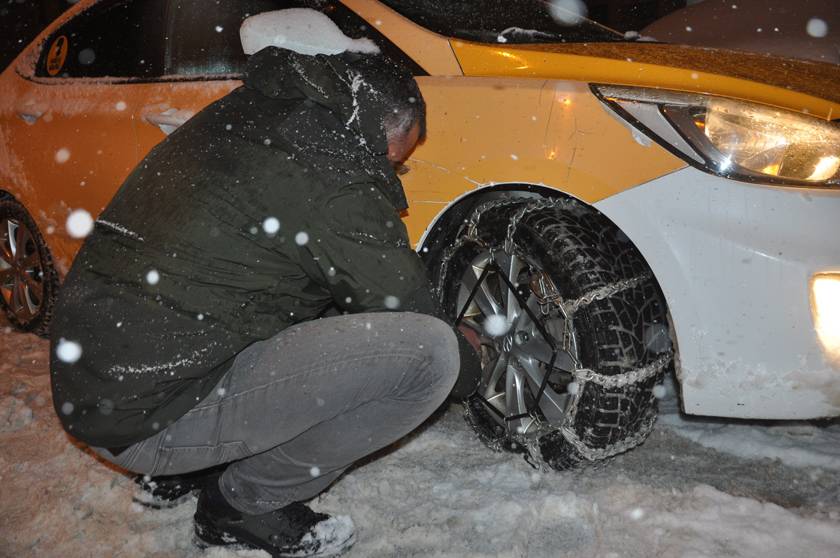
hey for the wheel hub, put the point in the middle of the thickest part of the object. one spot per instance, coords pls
(21, 270)
(517, 360)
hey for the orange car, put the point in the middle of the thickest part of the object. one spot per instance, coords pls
(598, 208)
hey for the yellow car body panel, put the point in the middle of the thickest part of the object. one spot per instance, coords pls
(496, 114)
(696, 73)
(485, 131)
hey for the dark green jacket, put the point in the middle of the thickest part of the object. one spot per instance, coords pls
(300, 144)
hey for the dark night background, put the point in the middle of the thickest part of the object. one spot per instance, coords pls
(22, 20)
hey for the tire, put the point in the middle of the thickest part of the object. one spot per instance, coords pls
(28, 280)
(593, 293)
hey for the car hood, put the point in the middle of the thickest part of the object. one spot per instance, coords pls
(800, 85)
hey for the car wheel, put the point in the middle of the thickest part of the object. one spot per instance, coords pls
(28, 280)
(573, 329)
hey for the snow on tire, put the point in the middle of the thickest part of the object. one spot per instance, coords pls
(589, 289)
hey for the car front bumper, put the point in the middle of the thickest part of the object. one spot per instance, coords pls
(736, 263)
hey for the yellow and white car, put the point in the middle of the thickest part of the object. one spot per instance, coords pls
(597, 208)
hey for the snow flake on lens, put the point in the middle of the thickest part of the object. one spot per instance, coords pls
(496, 325)
(62, 155)
(659, 391)
(87, 56)
(636, 514)
(314, 472)
(121, 106)
(392, 302)
(68, 351)
(79, 223)
(152, 277)
(567, 12)
(67, 408)
(271, 225)
(817, 27)
(301, 238)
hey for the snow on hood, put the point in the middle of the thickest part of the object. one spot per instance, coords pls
(302, 30)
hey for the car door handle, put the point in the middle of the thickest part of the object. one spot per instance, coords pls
(169, 120)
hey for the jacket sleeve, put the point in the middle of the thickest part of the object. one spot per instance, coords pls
(357, 248)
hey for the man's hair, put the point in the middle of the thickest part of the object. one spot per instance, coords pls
(401, 95)
(407, 109)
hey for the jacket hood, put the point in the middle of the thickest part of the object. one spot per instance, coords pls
(337, 109)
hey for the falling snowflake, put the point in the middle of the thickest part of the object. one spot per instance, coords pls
(567, 12)
(79, 223)
(572, 388)
(271, 225)
(659, 391)
(67, 408)
(62, 155)
(496, 325)
(68, 351)
(301, 238)
(314, 472)
(87, 56)
(152, 277)
(121, 105)
(817, 27)
(392, 302)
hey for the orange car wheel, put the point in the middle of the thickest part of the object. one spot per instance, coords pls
(28, 280)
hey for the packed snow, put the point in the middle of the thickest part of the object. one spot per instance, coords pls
(441, 493)
(302, 30)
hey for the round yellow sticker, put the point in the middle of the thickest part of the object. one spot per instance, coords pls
(57, 55)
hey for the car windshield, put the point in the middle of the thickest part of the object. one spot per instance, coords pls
(535, 21)
(806, 29)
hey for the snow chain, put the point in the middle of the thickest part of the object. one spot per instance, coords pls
(584, 375)
(469, 234)
(601, 293)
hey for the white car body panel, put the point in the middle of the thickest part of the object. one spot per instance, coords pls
(734, 261)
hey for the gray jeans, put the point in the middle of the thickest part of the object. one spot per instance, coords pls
(296, 410)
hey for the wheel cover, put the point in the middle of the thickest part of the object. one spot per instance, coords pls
(517, 351)
(21, 270)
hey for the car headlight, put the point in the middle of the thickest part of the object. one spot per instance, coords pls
(736, 139)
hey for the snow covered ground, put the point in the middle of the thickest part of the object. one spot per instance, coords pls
(442, 494)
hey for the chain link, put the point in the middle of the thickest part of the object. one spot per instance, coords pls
(585, 375)
(604, 292)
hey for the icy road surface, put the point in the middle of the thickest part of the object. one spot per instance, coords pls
(441, 493)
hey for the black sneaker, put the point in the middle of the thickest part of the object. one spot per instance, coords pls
(171, 490)
(294, 530)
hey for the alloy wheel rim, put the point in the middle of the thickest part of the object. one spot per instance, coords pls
(515, 362)
(21, 270)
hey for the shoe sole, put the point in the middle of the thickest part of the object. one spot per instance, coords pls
(207, 537)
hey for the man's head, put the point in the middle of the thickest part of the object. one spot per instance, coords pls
(405, 117)
(404, 130)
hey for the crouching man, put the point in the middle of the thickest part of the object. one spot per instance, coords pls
(249, 303)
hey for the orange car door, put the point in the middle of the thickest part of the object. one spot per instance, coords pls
(76, 136)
